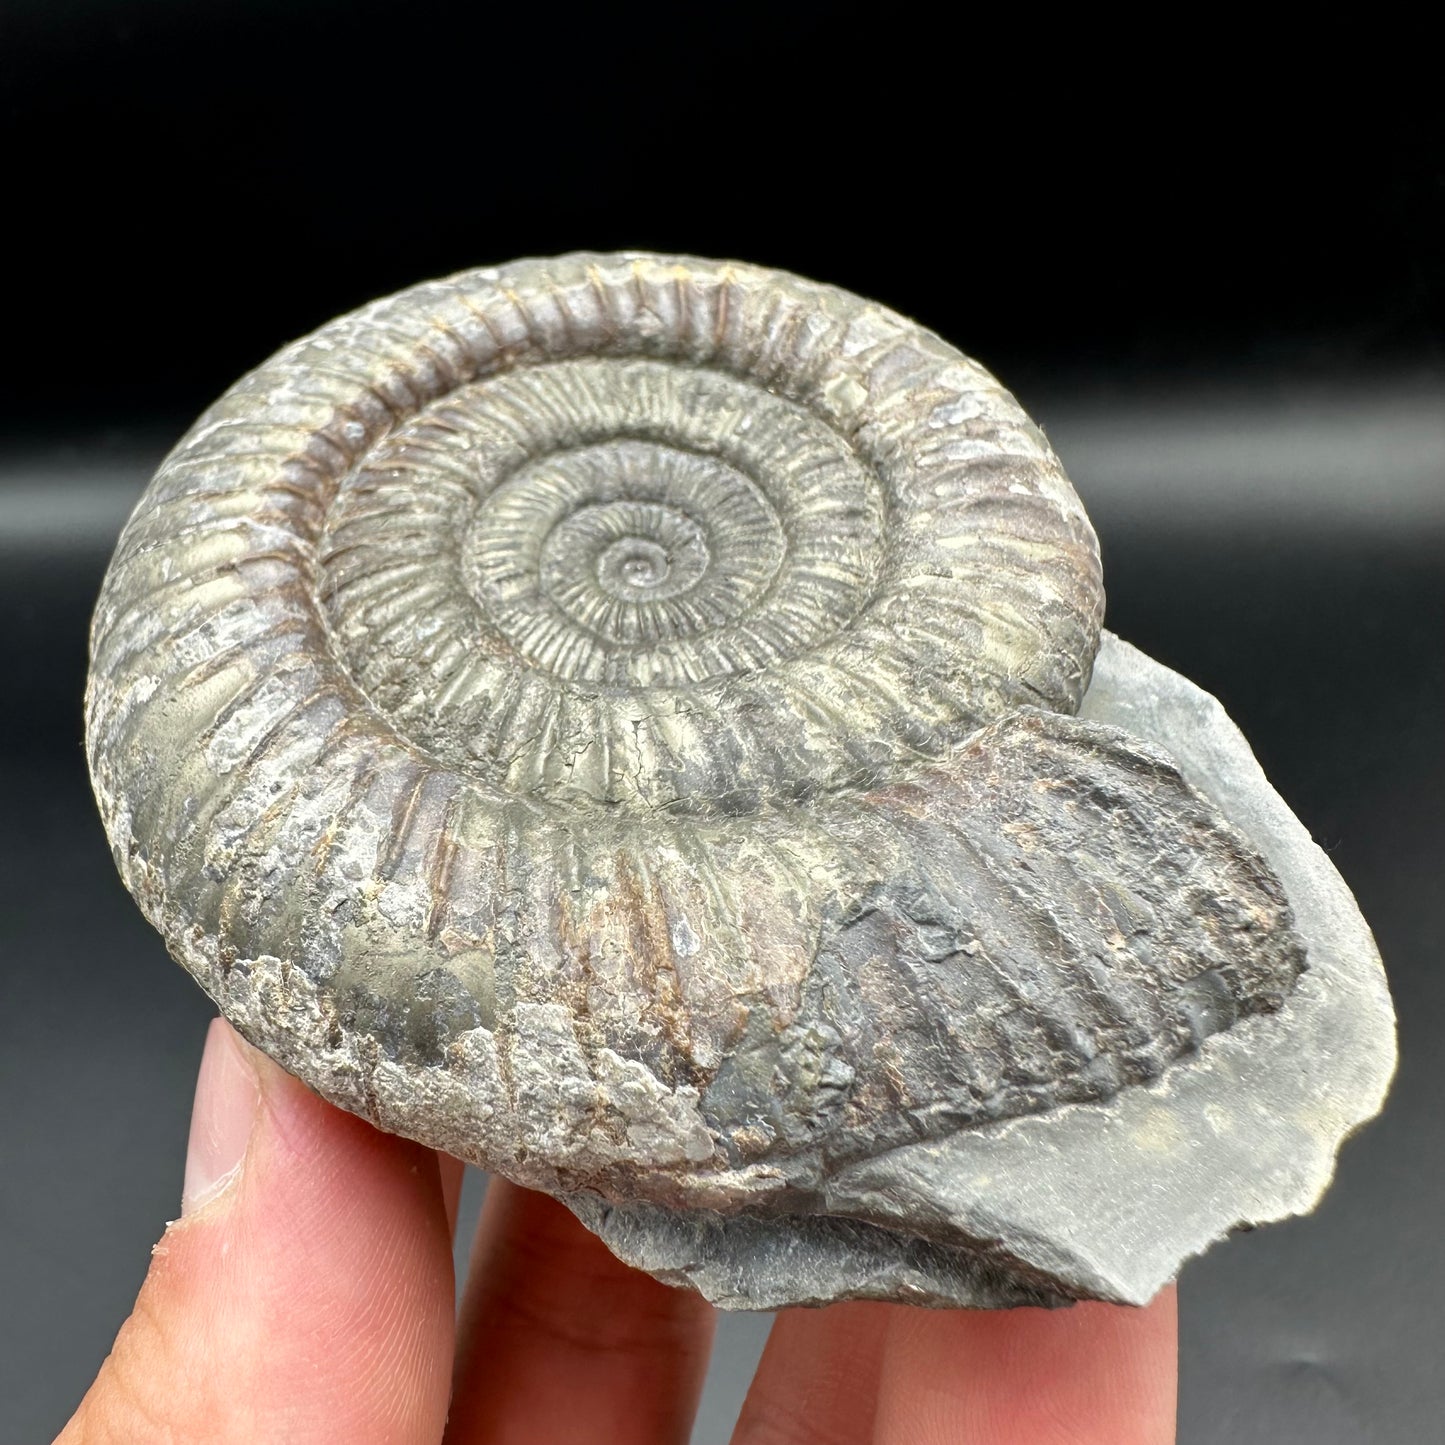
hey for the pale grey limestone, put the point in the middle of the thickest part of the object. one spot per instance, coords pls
(1100, 1201)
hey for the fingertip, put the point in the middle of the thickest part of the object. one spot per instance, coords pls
(306, 1293)
(559, 1335)
(452, 1172)
(1090, 1374)
(818, 1377)
(223, 1116)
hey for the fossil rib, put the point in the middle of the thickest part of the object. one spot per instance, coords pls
(612, 718)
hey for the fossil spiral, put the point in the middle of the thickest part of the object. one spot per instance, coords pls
(613, 718)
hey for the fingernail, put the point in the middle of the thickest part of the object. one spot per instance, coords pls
(222, 1117)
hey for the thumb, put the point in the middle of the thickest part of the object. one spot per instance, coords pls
(306, 1292)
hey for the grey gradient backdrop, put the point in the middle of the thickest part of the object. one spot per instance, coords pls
(1287, 553)
(1225, 303)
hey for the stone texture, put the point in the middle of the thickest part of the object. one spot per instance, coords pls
(1100, 1201)
(613, 719)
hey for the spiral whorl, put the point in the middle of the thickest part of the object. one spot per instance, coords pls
(597, 544)
(615, 719)
(667, 532)
(614, 714)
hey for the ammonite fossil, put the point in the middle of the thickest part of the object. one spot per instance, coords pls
(627, 721)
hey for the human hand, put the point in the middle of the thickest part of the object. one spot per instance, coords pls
(306, 1296)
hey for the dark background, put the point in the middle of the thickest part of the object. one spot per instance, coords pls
(1223, 299)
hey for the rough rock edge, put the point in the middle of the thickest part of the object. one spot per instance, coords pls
(1102, 1201)
(995, 1216)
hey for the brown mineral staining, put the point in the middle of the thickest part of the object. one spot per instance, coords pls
(611, 718)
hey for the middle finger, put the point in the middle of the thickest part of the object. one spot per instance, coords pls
(559, 1340)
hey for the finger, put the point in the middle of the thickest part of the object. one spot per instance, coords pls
(451, 1171)
(560, 1340)
(305, 1294)
(817, 1383)
(1094, 1374)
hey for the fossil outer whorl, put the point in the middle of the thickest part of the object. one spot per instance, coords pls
(612, 718)
(624, 569)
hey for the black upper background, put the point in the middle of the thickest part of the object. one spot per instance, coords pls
(185, 186)
(192, 184)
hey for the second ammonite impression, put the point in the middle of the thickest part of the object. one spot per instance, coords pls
(617, 719)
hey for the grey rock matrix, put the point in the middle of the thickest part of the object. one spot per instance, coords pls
(627, 721)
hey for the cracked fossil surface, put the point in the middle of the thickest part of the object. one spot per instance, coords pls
(643, 725)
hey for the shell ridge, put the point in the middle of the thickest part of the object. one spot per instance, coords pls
(690, 617)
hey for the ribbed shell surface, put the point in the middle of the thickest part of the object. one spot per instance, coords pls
(611, 717)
